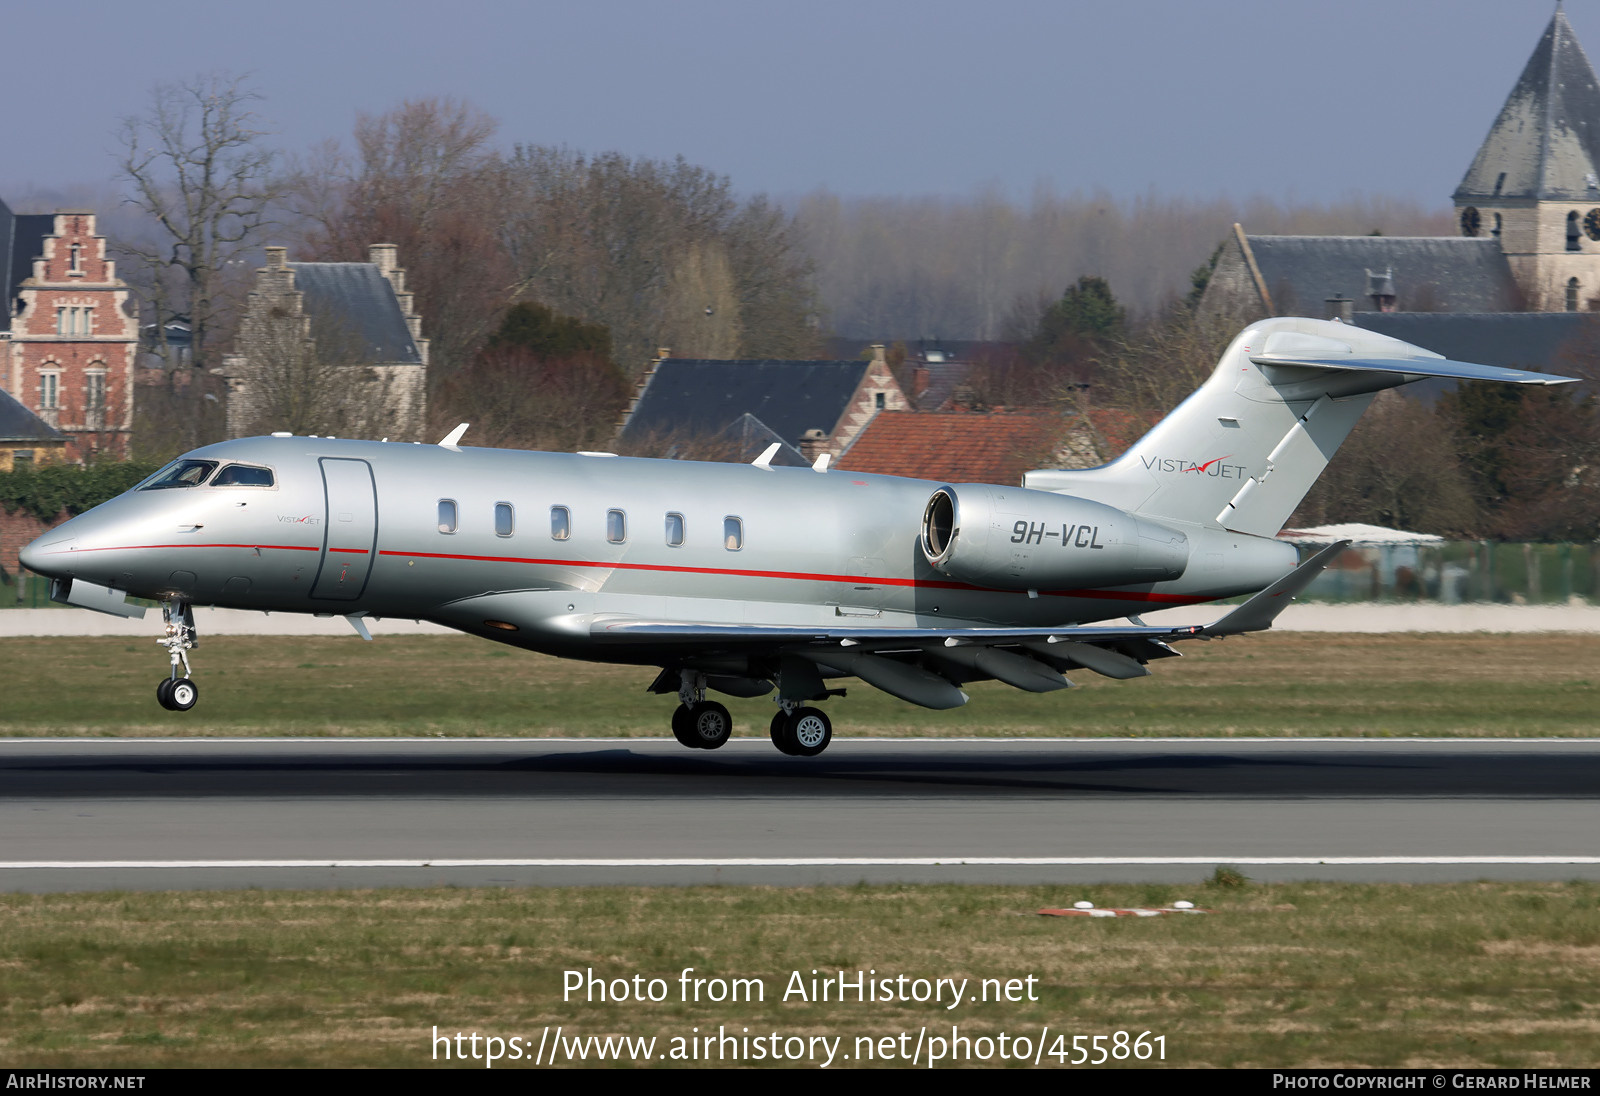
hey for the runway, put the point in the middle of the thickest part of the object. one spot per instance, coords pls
(196, 813)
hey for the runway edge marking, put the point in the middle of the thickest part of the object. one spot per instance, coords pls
(809, 861)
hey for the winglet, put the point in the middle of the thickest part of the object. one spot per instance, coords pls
(821, 464)
(765, 459)
(1260, 611)
(451, 439)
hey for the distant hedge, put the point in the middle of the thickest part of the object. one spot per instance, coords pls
(48, 489)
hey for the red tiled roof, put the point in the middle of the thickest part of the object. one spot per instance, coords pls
(959, 446)
(971, 447)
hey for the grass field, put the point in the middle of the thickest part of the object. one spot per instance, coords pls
(1272, 684)
(1487, 974)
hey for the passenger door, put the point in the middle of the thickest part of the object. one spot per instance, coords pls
(350, 530)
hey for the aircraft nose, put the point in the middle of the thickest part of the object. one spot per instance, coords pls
(43, 555)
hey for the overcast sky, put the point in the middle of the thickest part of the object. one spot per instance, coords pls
(1292, 99)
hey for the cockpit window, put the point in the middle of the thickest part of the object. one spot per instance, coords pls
(183, 473)
(243, 475)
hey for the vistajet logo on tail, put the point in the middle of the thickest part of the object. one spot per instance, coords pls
(1214, 467)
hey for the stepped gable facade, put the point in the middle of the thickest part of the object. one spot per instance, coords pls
(346, 333)
(68, 337)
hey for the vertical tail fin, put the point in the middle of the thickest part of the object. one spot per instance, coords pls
(1243, 450)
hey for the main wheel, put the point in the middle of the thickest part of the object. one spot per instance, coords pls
(710, 725)
(164, 694)
(182, 695)
(779, 719)
(680, 727)
(806, 732)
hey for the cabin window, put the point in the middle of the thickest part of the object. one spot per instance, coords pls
(243, 475)
(447, 515)
(504, 519)
(560, 523)
(675, 530)
(183, 473)
(733, 533)
(616, 526)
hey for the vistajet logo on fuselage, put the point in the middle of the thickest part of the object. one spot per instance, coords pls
(1213, 467)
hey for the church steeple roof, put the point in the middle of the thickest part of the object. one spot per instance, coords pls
(1546, 142)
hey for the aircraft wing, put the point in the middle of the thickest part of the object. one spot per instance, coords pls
(1254, 615)
(921, 664)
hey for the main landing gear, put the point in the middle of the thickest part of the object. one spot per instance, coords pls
(703, 724)
(800, 732)
(178, 694)
(699, 723)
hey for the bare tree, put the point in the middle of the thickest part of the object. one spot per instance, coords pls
(426, 178)
(313, 375)
(199, 170)
(518, 398)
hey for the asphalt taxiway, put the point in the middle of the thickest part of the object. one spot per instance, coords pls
(80, 814)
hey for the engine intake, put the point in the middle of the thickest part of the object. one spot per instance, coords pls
(1010, 538)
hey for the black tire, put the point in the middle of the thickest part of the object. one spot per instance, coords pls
(779, 719)
(182, 695)
(710, 725)
(164, 694)
(806, 732)
(680, 727)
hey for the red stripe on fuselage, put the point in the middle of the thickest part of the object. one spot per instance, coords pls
(801, 576)
(804, 576)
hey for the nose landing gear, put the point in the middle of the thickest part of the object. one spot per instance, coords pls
(178, 694)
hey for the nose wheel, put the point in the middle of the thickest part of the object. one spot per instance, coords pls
(177, 693)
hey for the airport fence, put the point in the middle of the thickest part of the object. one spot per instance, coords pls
(1458, 572)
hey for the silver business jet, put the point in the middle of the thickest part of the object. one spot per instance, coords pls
(743, 579)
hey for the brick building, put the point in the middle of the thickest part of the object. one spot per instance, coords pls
(341, 342)
(68, 340)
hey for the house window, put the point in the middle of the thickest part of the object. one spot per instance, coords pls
(877, 400)
(76, 264)
(94, 391)
(560, 523)
(733, 533)
(675, 530)
(616, 526)
(49, 391)
(504, 519)
(21, 458)
(1573, 232)
(447, 515)
(1572, 294)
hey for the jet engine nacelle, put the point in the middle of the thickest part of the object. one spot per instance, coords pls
(1010, 538)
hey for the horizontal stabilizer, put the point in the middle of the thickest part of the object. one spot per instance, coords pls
(1418, 367)
(1261, 610)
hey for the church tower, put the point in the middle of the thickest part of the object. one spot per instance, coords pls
(1535, 183)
